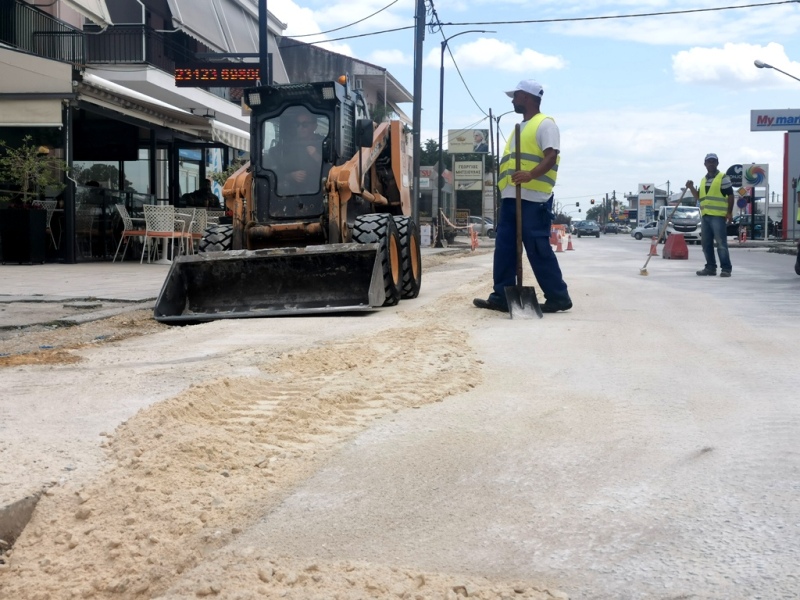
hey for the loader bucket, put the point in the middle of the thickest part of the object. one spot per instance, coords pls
(268, 283)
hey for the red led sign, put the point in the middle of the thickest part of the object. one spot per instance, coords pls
(216, 75)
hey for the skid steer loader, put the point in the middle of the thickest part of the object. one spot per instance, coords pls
(320, 216)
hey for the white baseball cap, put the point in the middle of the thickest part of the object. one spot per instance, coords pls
(711, 156)
(529, 86)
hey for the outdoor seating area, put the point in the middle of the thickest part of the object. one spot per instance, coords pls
(115, 226)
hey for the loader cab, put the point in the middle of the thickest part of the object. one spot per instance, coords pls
(297, 151)
(298, 132)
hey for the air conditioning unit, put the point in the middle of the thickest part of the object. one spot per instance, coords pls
(358, 84)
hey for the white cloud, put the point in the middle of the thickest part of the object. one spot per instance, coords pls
(497, 55)
(732, 65)
(386, 58)
(654, 147)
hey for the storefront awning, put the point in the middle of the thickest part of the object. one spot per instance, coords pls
(225, 25)
(230, 136)
(30, 113)
(112, 96)
(94, 10)
(198, 18)
(101, 92)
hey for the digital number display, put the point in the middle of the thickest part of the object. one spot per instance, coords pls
(215, 75)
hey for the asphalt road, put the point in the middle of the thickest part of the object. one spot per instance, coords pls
(642, 445)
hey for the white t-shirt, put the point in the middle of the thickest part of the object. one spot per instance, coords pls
(547, 136)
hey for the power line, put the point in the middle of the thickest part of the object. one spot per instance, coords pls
(349, 24)
(437, 25)
(630, 16)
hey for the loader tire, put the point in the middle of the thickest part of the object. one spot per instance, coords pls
(216, 238)
(410, 257)
(380, 229)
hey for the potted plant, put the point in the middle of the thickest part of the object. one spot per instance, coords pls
(23, 224)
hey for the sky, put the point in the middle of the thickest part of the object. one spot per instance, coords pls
(637, 100)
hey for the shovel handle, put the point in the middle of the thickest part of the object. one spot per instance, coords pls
(518, 167)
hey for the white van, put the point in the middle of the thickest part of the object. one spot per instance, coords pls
(686, 220)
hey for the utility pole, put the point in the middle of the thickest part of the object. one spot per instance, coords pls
(419, 38)
(263, 49)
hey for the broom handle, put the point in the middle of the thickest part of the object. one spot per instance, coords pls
(518, 167)
(664, 231)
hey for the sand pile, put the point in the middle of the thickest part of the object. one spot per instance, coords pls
(188, 474)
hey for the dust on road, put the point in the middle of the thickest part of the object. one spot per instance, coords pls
(187, 475)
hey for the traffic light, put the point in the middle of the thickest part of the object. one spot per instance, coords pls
(577, 204)
(592, 200)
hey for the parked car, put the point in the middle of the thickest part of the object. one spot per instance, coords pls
(623, 228)
(482, 225)
(745, 220)
(587, 228)
(648, 230)
(611, 227)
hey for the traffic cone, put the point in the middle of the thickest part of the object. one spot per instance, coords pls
(569, 242)
(654, 247)
(559, 247)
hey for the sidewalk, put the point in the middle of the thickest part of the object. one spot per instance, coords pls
(64, 294)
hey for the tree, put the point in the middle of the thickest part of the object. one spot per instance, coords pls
(31, 168)
(594, 213)
(429, 154)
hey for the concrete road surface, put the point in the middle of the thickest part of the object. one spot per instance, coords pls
(642, 445)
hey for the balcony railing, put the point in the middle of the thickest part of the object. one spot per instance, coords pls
(27, 28)
(132, 44)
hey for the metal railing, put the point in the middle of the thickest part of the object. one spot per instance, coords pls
(27, 28)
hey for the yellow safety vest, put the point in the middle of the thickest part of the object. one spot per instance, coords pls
(712, 202)
(530, 156)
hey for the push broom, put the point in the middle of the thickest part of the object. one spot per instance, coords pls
(663, 232)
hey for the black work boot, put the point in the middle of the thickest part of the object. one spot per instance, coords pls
(706, 273)
(551, 306)
(492, 303)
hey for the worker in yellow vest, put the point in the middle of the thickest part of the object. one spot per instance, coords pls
(716, 211)
(539, 153)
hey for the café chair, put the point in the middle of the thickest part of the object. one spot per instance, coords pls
(161, 224)
(129, 230)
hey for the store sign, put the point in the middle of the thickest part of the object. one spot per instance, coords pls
(754, 175)
(468, 170)
(775, 120)
(647, 198)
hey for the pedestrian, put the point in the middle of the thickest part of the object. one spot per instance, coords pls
(716, 211)
(539, 146)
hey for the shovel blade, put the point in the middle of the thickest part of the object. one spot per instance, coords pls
(522, 302)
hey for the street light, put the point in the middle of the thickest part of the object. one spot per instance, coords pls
(763, 65)
(438, 221)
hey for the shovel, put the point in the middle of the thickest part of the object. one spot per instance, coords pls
(522, 302)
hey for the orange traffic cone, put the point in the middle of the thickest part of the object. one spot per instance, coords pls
(559, 247)
(654, 247)
(569, 242)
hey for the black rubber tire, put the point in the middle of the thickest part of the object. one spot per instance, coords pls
(380, 228)
(597, 235)
(491, 235)
(638, 236)
(216, 238)
(410, 257)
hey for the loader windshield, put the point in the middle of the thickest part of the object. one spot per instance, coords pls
(293, 143)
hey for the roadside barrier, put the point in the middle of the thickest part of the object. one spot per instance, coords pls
(675, 247)
(569, 242)
(559, 246)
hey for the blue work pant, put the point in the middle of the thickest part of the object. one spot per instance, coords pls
(713, 229)
(536, 220)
